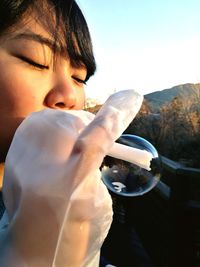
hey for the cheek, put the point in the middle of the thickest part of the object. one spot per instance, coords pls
(80, 99)
(19, 95)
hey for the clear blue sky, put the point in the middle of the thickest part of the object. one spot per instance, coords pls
(147, 45)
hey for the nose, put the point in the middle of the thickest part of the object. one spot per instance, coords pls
(62, 96)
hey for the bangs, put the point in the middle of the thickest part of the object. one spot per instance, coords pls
(69, 31)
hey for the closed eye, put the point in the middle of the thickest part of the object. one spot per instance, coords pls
(79, 80)
(33, 63)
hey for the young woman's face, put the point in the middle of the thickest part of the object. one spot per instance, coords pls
(30, 80)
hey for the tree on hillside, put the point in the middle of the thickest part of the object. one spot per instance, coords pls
(93, 109)
(145, 124)
(174, 128)
(174, 131)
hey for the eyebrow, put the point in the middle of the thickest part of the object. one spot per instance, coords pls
(40, 39)
(53, 45)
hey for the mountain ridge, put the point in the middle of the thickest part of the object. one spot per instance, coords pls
(158, 99)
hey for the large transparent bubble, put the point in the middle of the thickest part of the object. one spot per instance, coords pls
(132, 176)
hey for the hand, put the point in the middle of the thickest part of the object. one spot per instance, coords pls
(59, 211)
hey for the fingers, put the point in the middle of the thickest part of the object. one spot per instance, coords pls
(96, 139)
(118, 112)
(111, 120)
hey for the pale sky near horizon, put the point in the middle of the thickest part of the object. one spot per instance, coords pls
(147, 45)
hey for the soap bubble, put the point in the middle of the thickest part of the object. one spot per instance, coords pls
(128, 179)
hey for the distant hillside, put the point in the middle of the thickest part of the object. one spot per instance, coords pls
(170, 120)
(159, 98)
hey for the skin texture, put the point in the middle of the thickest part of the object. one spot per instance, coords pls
(31, 80)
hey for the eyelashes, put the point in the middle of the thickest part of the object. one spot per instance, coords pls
(79, 80)
(45, 67)
(33, 63)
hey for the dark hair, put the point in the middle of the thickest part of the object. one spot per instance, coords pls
(67, 26)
